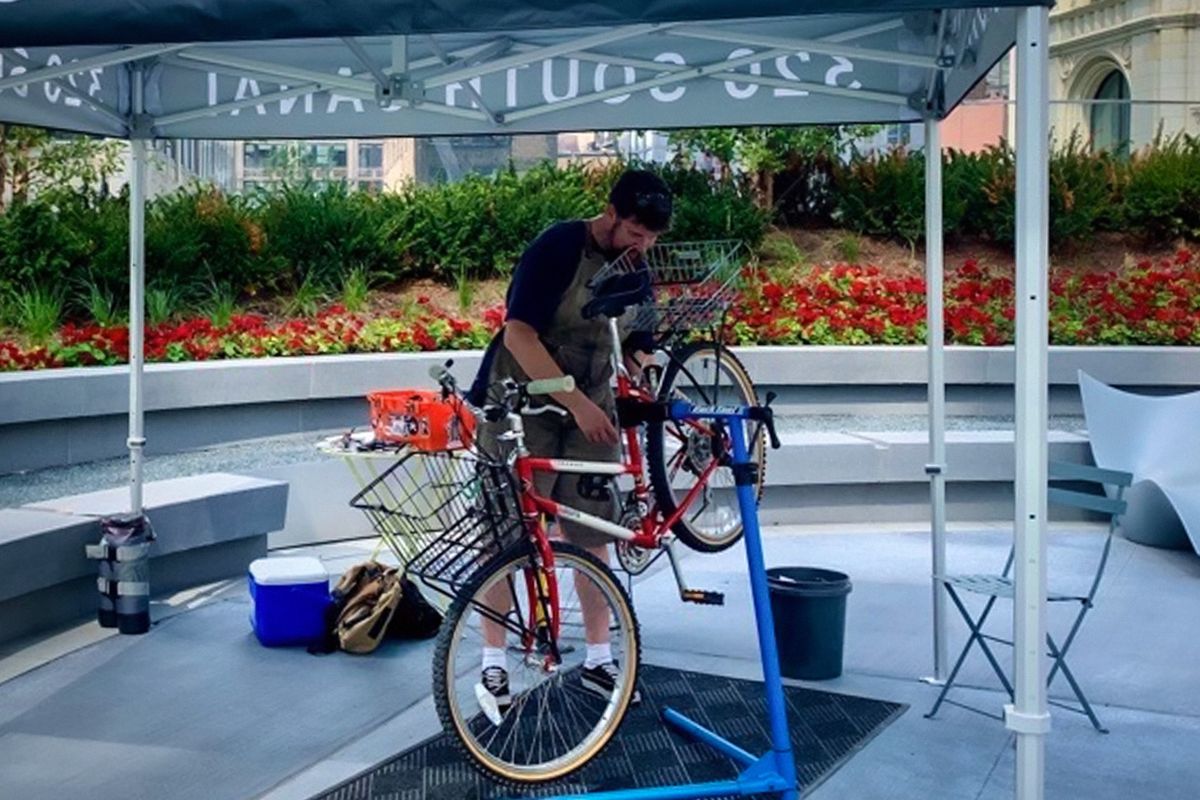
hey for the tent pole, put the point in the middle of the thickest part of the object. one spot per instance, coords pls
(1027, 716)
(137, 269)
(935, 325)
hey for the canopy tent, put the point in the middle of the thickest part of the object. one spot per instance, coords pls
(555, 75)
(252, 69)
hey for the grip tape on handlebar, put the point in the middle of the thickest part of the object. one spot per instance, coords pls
(551, 385)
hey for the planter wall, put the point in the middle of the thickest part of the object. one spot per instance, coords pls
(60, 417)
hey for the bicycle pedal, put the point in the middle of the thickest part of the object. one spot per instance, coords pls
(702, 597)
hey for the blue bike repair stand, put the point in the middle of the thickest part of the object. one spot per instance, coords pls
(773, 772)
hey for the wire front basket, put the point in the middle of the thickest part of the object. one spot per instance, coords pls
(692, 284)
(443, 514)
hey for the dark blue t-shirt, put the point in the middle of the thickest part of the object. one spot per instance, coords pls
(544, 274)
(541, 278)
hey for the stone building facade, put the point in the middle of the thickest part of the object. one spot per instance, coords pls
(1103, 52)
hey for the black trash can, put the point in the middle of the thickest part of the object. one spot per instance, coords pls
(809, 607)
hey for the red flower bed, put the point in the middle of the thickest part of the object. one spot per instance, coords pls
(1147, 304)
(334, 330)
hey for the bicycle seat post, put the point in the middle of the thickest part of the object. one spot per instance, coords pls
(618, 363)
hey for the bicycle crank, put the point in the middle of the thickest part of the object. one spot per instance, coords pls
(698, 596)
(633, 559)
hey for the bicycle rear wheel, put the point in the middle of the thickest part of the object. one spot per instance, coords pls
(680, 454)
(556, 720)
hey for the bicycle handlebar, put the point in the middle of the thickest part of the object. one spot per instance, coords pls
(546, 386)
(551, 385)
(441, 374)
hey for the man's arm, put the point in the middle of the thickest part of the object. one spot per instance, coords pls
(526, 346)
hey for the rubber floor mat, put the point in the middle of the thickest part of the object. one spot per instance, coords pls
(827, 729)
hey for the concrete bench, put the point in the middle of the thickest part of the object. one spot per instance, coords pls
(817, 477)
(209, 527)
(864, 477)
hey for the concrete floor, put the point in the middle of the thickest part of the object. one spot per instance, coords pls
(229, 719)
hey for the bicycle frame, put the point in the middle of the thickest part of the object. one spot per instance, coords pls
(650, 535)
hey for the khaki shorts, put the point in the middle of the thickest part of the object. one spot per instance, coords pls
(552, 435)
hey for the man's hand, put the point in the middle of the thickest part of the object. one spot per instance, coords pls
(592, 420)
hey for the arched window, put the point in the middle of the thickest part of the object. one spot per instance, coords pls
(1110, 120)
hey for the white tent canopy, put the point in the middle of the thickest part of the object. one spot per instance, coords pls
(253, 69)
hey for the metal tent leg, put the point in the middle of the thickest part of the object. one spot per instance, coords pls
(1027, 716)
(137, 278)
(935, 325)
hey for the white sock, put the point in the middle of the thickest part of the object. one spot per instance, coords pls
(494, 657)
(598, 654)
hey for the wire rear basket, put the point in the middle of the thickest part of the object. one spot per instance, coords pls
(443, 514)
(692, 284)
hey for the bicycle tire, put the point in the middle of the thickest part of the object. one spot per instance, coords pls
(661, 478)
(450, 672)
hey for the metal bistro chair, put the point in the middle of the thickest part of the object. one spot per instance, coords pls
(995, 587)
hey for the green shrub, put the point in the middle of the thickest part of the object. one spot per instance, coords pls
(1162, 197)
(41, 244)
(306, 300)
(440, 229)
(162, 301)
(849, 247)
(1081, 191)
(963, 200)
(100, 303)
(523, 205)
(355, 289)
(884, 195)
(993, 217)
(105, 227)
(780, 248)
(712, 209)
(479, 226)
(199, 236)
(316, 233)
(37, 312)
(221, 304)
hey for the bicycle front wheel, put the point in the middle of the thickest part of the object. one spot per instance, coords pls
(551, 715)
(690, 456)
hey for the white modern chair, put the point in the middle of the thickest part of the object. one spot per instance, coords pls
(1157, 440)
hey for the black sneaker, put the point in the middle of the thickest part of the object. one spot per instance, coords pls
(493, 695)
(602, 680)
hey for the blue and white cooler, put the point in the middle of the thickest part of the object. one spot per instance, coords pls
(288, 598)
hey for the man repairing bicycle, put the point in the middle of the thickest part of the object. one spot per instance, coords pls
(545, 335)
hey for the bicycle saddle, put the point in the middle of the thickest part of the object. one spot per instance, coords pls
(616, 293)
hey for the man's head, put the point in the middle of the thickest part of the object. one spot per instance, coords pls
(639, 209)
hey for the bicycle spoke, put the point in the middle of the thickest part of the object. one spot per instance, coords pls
(674, 465)
(552, 724)
(706, 493)
(678, 434)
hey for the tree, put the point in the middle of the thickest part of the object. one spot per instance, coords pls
(760, 153)
(34, 161)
